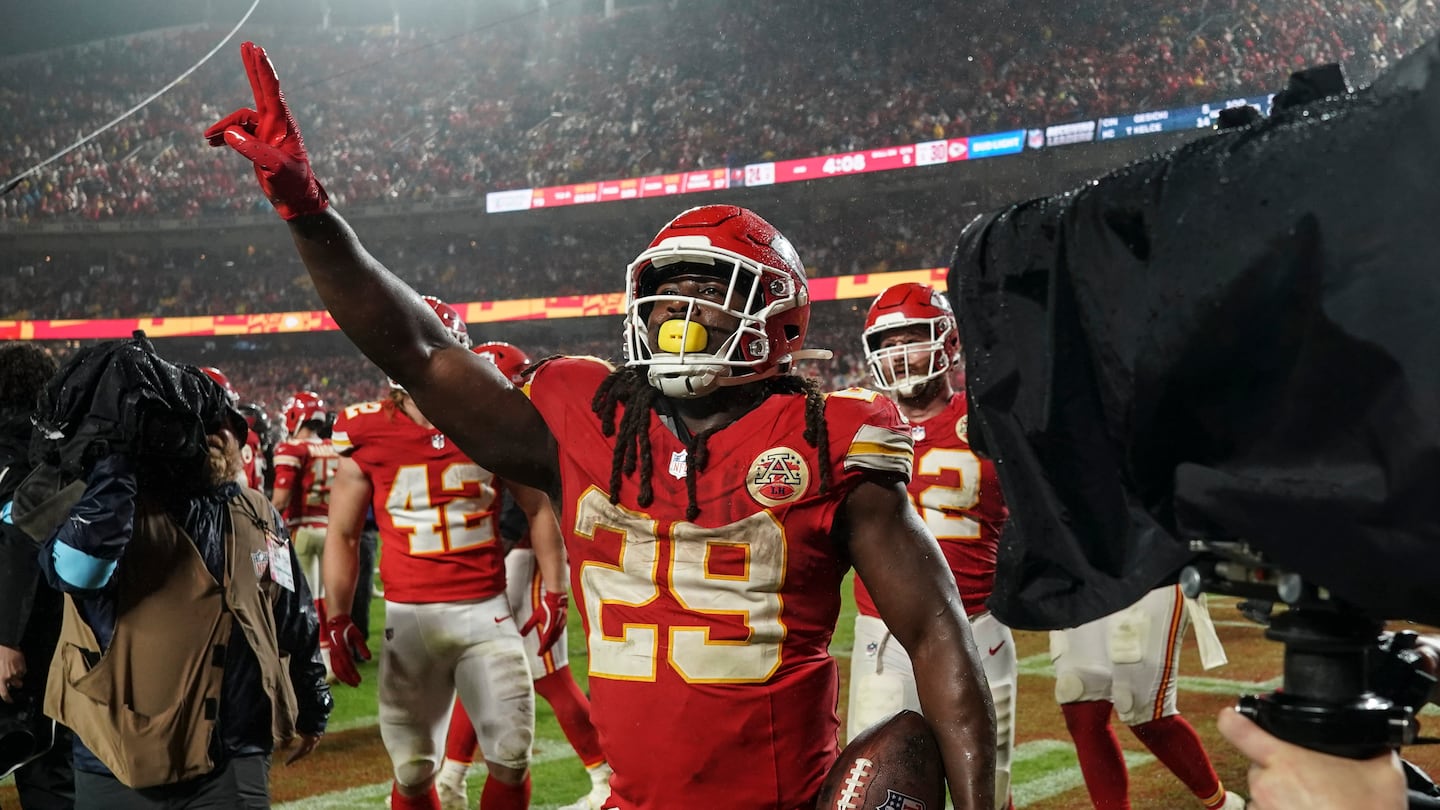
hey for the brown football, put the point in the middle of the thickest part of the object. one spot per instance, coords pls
(894, 765)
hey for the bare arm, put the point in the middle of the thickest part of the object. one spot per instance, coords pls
(340, 564)
(280, 499)
(377, 311)
(906, 573)
(545, 537)
(463, 395)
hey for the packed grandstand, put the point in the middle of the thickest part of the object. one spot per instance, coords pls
(401, 119)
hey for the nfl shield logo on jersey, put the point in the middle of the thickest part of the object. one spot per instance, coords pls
(438, 441)
(917, 432)
(678, 464)
(899, 801)
(778, 476)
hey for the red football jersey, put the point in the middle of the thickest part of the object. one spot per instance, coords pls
(958, 495)
(436, 509)
(710, 674)
(305, 467)
(252, 459)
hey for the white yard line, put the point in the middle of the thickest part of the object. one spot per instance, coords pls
(374, 795)
(1053, 782)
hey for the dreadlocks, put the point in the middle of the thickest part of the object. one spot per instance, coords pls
(632, 445)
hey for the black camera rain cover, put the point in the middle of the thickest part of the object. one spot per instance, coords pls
(1239, 339)
(119, 396)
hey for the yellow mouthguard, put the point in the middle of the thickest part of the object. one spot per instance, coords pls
(678, 336)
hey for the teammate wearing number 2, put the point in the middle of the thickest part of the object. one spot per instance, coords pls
(712, 500)
(448, 625)
(912, 344)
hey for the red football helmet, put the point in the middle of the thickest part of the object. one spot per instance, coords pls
(454, 324)
(509, 359)
(224, 382)
(766, 292)
(301, 407)
(910, 305)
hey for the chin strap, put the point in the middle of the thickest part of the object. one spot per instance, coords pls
(695, 380)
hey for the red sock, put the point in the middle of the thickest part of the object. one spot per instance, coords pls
(1101, 761)
(460, 742)
(499, 795)
(572, 709)
(426, 801)
(1174, 742)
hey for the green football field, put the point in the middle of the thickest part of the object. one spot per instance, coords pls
(350, 768)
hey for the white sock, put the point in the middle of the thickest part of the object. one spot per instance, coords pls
(454, 773)
(599, 774)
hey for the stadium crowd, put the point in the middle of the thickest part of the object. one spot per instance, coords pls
(555, 99)
(507, 264)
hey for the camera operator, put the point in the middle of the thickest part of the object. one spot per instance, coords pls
(171, 713)
(29, 612)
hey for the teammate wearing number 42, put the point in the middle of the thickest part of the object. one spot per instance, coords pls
(448, 625)
(550, 669)
(712, 499)
(912, 347)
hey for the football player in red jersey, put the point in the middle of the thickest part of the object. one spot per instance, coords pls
(259, 446)
(712, 500)
(550, 669)
(912, 347)
(304, 464)
(448, 625)
(251, 455)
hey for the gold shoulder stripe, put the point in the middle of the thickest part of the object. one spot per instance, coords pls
(877, 448)
(856, 392)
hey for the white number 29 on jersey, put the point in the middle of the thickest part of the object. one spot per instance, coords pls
(752, 596)
(455, 524)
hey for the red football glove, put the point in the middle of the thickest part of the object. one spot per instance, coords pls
(550, 617)
(346, 642)
(270, 139)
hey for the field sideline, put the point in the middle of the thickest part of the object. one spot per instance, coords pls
(350, 769)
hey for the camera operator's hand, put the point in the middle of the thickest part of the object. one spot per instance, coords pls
(1285, 776)
(12, 672)
(269, 138)
(302, 744)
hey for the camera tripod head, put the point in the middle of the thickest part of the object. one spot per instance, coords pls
(1349, 688)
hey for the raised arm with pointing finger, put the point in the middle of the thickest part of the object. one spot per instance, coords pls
(715, 599)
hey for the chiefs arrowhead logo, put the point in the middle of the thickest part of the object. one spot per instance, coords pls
(778, 476)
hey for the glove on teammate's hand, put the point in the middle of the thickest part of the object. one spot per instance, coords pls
(549, 616)
(346, 641)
